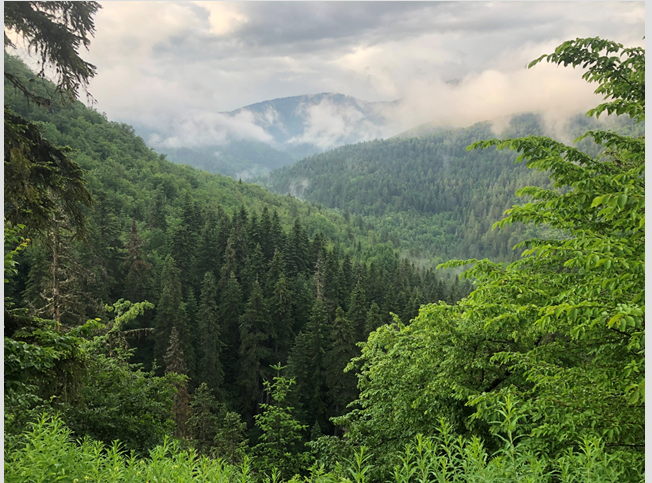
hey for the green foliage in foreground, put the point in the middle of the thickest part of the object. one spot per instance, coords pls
(561, 330)
(47, 453)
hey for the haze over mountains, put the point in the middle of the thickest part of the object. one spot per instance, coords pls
(257, 138)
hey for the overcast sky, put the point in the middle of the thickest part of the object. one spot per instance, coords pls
(159, 60)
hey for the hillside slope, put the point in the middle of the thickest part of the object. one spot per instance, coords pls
(427, 194)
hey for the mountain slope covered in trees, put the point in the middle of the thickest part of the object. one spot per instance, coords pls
(427, 194)
(240, 278)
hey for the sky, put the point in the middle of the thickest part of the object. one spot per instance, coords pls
(163, 64)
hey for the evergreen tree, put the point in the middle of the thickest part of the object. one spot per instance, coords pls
(342, 386)
(309, 365)
(357, 314)
(187, 331)
(138, 282)
(229, 317)
(374, 319)
(167, 310)
(280, 442)
(175, 363)
(215, 431)
(281, 320)
(297, 249)
(254, 332)
(255, 270)
(211, 371)
(208, 249)
(157, 217)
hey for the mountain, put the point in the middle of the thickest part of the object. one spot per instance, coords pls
(428, 194)
(257, 138)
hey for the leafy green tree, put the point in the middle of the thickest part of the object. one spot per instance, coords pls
(279, 444)
(561, 329)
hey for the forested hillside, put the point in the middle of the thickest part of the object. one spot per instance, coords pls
(166, 324)
(428, 195)
(246, 278)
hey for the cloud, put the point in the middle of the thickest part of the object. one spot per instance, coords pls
(201, 128)
(174, 66)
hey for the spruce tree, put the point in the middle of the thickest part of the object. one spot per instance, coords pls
(308, 363)
(157, 217)
(281, 320)
(175, 363)
(208, 250)
(357, 313)
(138, 282)
(211, 371)
(374, 319)
(229, 312)
(342, 386)
(167, 310)
(254, 330)
(279, 444)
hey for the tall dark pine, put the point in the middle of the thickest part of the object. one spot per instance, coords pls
(297, 249)
(138, 283)
(175, 362)
(374, 319)
(254, 327)
(309, 365)
(357, 314)
(157, 218)
(342, 386)
(167, 310)
(281, 320)
(208, 249)
(229, 312)
(210, 365)
(187, 332)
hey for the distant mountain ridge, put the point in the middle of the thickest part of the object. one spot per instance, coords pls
(278, 132)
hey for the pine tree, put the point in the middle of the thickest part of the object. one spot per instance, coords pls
(342, 386)
(308, 364)
(175, 363)
(138, 282)
(254, 332)
(229, 312)
(280, 442)
(374, 320)
(297, 250)
(281, 320)
(357, 314)
(255, 270)
(211, 372)
(167, 310)
(208, 250)
(157, 217)
(187, 329)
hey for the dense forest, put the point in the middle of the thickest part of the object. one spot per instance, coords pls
(427, 194)
(166, 324)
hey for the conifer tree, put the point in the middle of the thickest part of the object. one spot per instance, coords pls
(254, 332)
(211, 371)
(280, 442)
(342, 386)
(187, 331)
(254, 270)
(281, 319)
(374, 319)
(309, 365)
(138, 282)
(357, 314)
(157, 217)
(276, 269)
(229, 312)
(167, 310)
(208, 249)
(267, 241)
(297, 249)
(175, 363)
